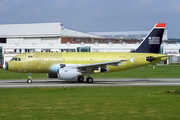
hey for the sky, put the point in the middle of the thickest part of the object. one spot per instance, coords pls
(95, 15)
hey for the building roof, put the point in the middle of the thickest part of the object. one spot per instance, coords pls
(73, 33)
(120, 33)
(30, 30)
(40, 30)
(127, 34)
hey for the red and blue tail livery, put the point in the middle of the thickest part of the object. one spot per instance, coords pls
(153, 40)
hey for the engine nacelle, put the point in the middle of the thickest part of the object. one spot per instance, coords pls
(52, 75)
(68, 73)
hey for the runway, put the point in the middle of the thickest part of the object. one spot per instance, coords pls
(97, 82)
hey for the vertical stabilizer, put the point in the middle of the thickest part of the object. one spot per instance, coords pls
(152, 42)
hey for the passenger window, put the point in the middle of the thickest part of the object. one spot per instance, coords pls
(19, 59)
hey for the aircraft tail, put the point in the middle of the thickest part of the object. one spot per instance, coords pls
(152, 42)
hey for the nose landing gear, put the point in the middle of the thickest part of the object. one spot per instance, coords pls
(29, 78)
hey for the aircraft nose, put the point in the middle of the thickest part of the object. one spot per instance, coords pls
(5, 66)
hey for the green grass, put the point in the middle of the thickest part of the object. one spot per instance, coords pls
(90, 103)
(126, 103)
(143, 72)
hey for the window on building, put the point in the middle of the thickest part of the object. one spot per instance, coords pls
(1, 56)
(2, 40)
(17, 50)
(83, 49)
(45, 50)
(29, 50)
(66, 50)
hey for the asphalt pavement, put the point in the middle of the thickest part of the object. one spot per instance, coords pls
(97, 82)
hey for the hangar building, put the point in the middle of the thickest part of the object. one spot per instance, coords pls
(53, 37)
(40, 37)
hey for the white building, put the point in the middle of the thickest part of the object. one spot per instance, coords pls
(53, 37)
(40, 37)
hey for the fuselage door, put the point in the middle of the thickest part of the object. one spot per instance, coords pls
(30, 59)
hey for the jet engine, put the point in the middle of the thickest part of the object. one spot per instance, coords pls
(68, 73)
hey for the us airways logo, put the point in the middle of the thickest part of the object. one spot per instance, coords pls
(154, 40)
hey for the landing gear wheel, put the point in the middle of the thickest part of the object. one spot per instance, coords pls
(89, 80)
(80, 79)
(29, 78)
(29, 81)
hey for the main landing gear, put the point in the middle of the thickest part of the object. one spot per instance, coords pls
(88, 80)
(29, 78)
(80, 79)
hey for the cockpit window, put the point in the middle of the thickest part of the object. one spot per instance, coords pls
(12, 59)
(15, 59)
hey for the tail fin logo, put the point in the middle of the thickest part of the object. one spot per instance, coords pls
(154, 40)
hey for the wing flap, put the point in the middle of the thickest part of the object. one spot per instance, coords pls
(113, 63)
(95, 66)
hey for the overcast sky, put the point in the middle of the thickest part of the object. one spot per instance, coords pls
(95, 15)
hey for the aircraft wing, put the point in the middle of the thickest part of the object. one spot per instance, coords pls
(113, 63)
(95, 66)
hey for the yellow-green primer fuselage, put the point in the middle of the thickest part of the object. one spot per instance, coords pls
(50, 62)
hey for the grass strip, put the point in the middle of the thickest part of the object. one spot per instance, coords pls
(126, 103)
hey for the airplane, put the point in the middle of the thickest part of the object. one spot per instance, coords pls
(75, 65)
